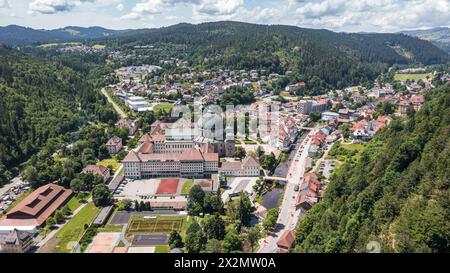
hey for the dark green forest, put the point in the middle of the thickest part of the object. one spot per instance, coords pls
(41, 102)
(395, 192)
(339, 59)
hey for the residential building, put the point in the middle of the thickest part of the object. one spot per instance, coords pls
(287, 238)
(247, 167)
(307, 106)
(98, 170)
(114, 145)
(330, 116)
(16, 241)
(132, 125)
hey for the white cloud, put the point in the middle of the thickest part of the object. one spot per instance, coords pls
(4, 4)
(200, 7)
(218, 7)
(120, 7)
(56, 6)
(368, 15)
(52, 6)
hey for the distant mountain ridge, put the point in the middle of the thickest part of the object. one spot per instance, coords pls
(439, 36)
(321, 57)
(15, 35)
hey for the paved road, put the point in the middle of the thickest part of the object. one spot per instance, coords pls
(288, 217)
(116, 107)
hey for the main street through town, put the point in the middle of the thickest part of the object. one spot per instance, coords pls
(289, 216)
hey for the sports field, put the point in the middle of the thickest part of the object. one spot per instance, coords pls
(154, 225)
(411, 77)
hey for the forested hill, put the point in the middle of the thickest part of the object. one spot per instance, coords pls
(337, 58)
(14, 35)
(439, 36)
(396, 192)
(39, 100)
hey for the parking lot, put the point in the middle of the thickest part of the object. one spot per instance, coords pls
(144, 188)
(326, 167)
(237, 184)
(12, 194)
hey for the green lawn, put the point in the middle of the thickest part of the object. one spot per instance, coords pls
(353, 146)
(98, 46)
(166, 106)
(74, 229)
(187, 186)
(162, 249)
(110, 228)
(109, 162)
(73, 203)
(415, 77)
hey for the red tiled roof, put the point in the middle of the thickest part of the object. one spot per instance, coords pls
(131, 157)
(287, 238)
(191, 155)
(313, 186)
(146, 148)
(37, 207)
(95, 169)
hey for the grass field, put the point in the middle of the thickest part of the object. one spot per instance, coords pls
(73, 203)
(98, 46)
(187, 186)
(110, 228)
(74, 229)
(166, 106)
(162, 249)
(415, 77)
(109, 162)
(353, 146)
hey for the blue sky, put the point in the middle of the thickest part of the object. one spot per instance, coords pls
(337, 15)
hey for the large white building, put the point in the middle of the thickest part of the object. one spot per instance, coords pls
(163, 154)
(190, 163)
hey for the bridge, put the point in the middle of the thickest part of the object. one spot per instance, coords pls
(275, 178)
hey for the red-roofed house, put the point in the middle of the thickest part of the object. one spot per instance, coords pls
(286, 240)
(97, 170)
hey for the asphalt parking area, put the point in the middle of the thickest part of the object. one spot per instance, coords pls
(150, 240)
(123, 217)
